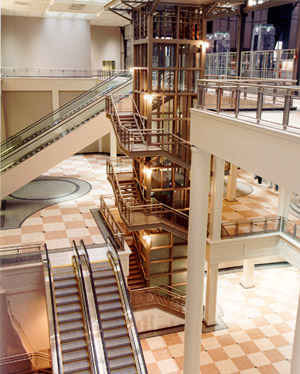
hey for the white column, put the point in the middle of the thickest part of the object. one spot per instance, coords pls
(217, 192)
(100, 145)
(284, 202)
(55, 99)
(295, 363)
(200, 184)
(211, 295)
(247, 280)
(113, 144)
(231, 184)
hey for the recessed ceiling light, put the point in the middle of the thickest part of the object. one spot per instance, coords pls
(22, 3)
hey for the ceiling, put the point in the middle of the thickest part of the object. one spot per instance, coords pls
(92, 10)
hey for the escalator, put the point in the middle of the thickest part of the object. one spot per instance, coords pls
(45, 143)
(91, 325)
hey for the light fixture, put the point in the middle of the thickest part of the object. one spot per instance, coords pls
(148, 98)
(147, 172)
(131, 70)
(147, 239)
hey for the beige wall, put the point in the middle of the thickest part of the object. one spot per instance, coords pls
(45, 42)
(23, 108)
(105, 45)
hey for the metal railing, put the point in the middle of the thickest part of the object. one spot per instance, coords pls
(223, 64)
(250, 227)
(159, 140)
(290, 228)
(276, 64)
(135, 213)
(57, 361)
(22, 72)
(164, 296)
(52, 119)
(114, 259)
(252, 101)
(14, 255)
(54, 133)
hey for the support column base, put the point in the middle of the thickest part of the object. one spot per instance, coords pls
(247, 285)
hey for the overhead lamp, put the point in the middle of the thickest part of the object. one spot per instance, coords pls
(147, 172)
(131, 70)
(147, 239)
(148, 98)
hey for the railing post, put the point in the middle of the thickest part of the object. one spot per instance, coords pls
(266, 225)
(295, 231)
(237, 101)
(219, 99)
(260, 101)
(286, 110)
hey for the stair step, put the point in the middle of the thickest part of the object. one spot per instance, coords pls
(63, 292)
(65, 283)
(104, 282)
(126, 370)
(63, 276)
(106, 290)
(100, 274)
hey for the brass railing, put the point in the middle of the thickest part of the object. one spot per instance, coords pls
(248, 100)
(159, 140)
(135, 213)
(164, 296)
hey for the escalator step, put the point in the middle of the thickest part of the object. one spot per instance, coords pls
(70, 299)
(106, 298)
(110, 306)
(65, 283)
(71, 335)
(68, 308)
(69, 326)
(76, 366)
(107, 290)
(77, 355)
(119, 352)
(111, 314)
(127, 370)
(105, 282)
(121, 362)
(113, 323)
(64, 292)
(63, 276)
(74, 345)
(68, 317)
(118, 342)
(115, 333)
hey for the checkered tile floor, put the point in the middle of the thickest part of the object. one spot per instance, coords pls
(259, 336)
(260, 320)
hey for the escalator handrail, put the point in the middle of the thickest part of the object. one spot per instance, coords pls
(130, 320)
(69, 103)
(88, 263)
(86, 310)
(55, 323)
(54, 128)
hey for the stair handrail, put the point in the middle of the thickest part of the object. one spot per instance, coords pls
(88, 263)
(53, 316)
(49, 115)
(86, 311)
(52, 129)
(114, 259)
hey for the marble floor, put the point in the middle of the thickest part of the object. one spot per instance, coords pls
(260, 321)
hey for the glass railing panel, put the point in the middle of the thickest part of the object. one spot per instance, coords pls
(62, 113)
(54, 133)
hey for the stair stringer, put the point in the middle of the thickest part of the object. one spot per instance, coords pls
(16, 177)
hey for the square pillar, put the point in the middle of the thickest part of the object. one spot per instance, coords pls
(210, 318)
(200, 185)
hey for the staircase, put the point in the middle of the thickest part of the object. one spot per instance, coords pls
(57, 136)
(135, 279)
